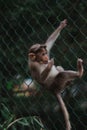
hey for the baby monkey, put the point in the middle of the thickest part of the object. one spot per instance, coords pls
(47, 74)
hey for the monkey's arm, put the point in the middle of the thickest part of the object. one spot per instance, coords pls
(52, 38)
(38, 74)
(46, 71)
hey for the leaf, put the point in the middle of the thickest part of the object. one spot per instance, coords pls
(8, 121)
(4, 129)
(24, 122)
(1, 126)
(38, 122)
(5, 109)
(9, 85)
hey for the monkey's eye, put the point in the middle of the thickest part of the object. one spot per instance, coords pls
(44, 53)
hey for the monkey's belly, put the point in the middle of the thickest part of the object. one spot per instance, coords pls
(52, 74)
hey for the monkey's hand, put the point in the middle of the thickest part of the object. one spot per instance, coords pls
(63, 23)
(50, 63)
(46, 71)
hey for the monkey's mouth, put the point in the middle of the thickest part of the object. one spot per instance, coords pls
(45, 62)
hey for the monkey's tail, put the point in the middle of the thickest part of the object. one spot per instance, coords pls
(64, 110)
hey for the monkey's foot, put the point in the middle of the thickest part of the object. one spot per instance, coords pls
(80, 67)
(63, 23)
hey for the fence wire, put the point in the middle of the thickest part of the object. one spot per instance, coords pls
(22, 24)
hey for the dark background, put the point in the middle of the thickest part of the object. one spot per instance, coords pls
(26, 22)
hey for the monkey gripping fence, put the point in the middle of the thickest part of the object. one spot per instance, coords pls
(23, 23)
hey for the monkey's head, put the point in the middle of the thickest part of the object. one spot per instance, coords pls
(38, 52)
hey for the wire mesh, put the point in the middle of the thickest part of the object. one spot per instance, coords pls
(26, 22)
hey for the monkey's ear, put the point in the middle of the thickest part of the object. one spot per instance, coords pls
(32, 56)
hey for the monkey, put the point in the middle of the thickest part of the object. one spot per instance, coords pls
(51, 77)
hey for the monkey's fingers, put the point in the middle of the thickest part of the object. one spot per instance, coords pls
(52, 61)
(80, 60)
(63, 23)
(80, 67)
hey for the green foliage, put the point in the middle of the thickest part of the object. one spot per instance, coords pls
(6, 115)
(11, 121)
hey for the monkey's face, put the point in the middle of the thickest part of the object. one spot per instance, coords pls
(42, 56)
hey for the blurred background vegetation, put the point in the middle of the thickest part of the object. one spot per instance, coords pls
(23, 23)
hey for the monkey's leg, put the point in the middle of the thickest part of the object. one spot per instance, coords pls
(69, 74)
(64, 110)
(63, 79)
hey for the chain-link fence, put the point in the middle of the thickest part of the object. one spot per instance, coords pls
(26, 22)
